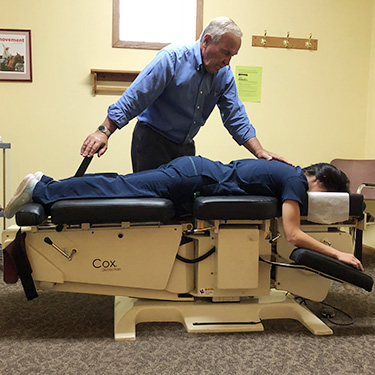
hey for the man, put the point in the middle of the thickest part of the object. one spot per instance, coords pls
(174, 96)
(6, 54)
(183, 177)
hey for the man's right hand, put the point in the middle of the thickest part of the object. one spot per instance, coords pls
(94, 142)
(97, 142)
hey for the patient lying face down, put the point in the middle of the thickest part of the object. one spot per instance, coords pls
(183, 178)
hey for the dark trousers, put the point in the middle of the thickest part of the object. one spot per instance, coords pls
(150, 149)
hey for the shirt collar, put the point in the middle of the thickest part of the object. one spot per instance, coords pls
(198, 55)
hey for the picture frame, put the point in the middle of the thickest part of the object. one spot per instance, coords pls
(15, 55)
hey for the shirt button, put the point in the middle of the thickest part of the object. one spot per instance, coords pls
(198, 107)
(201, 92)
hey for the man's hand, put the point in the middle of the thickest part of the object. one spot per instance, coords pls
(254, 146)
(94, 142)
(98, 141)
(264, 154)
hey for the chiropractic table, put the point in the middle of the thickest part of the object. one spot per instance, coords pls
(225, 268)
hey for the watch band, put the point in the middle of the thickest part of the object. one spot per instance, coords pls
(104, 130)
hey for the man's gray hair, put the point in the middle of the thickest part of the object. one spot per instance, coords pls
(219, 26)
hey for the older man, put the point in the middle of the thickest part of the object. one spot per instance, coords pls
(173, 98)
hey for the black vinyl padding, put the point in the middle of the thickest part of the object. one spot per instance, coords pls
(102, 211)
(241, 207)
(31, 214)
(332, 267)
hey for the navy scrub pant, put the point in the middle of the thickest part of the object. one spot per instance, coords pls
(177, 180)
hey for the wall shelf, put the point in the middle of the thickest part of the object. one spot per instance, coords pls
(112, 81)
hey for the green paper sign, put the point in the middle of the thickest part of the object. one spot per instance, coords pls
(249, 82)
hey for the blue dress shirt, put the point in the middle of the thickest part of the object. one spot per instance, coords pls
(175, 96)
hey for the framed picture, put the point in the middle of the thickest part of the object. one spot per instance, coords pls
(15, 55)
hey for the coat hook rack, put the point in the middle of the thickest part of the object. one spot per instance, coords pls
(285, 42)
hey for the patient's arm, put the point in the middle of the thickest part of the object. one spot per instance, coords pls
(294, 235)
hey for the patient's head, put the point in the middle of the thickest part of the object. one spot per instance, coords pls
(331, 177)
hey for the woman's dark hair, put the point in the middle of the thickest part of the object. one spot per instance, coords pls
(332, 178)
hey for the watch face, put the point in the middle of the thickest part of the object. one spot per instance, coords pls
(104, 130)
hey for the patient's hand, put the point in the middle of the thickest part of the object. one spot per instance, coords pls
(350, 259)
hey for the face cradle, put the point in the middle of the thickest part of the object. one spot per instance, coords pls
(217, 55)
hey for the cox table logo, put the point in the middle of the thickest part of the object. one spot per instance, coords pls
(105, 265)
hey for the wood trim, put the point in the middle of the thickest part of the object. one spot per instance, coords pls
(117, 43)
(138, 45)
(115, 23)
(199, 20)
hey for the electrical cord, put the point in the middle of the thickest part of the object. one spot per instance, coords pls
(196, 260)
(328, 312)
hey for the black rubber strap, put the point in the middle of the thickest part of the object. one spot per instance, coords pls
(83, 167)
(23, 266)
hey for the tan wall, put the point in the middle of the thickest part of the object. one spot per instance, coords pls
(315, 105)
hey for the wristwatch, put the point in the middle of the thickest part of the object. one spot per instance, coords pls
(104, 130)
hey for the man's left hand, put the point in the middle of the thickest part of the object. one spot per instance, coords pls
(264, 154)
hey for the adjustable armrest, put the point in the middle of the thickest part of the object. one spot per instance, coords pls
(332, 267)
